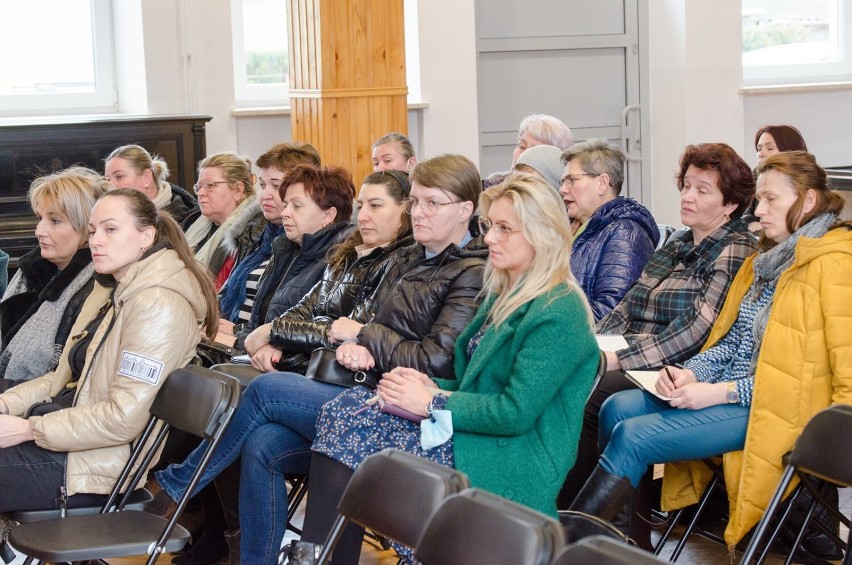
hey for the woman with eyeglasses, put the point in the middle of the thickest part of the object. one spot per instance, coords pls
(613, 236)
(509, 417)
(230, 221)
(427, 296)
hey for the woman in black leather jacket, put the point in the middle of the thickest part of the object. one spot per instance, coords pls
(355, 268)
(431, 287)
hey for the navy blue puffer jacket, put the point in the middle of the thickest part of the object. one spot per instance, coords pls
(608, 256)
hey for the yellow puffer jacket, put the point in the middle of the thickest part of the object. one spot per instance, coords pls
(804, 365)
(155, 320)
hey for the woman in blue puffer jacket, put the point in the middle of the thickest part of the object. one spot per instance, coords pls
(613, 236)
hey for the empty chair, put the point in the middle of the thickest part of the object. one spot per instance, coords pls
(394, 494)
(821, 452)
(603, 550)
(476, 526)
(116, 532)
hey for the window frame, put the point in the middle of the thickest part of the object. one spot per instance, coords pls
(104, 99)
(810, 72)
(254, 95)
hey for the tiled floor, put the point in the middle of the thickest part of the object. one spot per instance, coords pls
(698, 551)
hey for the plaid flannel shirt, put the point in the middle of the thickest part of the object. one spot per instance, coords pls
(667, 315)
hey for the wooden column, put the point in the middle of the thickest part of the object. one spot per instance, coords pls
(347, 77)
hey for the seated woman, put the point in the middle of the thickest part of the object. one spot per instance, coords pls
(131, 166)
(47, 292)
(316, 204)
(230, 222)
(778, 352)
(393, 152)
(613, 236)
(147, 305)
(667, 315)
(355, 269)
(425, 300)
(517, 395)
(535, 129)
(772, 140)
(237, 296)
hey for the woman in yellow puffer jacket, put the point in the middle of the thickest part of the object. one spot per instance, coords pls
(780, 352)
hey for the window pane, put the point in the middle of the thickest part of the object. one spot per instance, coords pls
(265, 41)
(48, 48)
(790, 32)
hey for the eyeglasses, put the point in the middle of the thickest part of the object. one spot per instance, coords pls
(197, 187)
(429, 207)
(569, 180)
(502, 231)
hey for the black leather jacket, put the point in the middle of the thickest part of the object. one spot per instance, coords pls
(291, 273)
(304, 327)
(422, 306)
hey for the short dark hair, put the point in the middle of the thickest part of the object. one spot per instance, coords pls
(328, 187)
(736, 180)
(284, 156)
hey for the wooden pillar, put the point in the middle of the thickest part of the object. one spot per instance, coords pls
(347, 77)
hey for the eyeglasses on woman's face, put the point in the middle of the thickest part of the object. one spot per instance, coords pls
(569, 180)
(208, 186)
(502, 231)
(429, 207)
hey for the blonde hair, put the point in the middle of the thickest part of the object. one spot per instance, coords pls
(73, 193)
(545, 225)
(142, 161)
(235, 168)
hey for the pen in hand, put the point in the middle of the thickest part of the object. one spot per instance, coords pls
(669, 375)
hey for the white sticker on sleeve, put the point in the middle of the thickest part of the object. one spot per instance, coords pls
(140, 368)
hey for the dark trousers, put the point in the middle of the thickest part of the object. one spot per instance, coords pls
(30, 479)
(588, 452)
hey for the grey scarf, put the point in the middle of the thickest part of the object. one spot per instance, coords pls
(768, 267)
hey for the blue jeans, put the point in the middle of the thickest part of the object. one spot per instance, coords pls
(273, 430)
(637, 429)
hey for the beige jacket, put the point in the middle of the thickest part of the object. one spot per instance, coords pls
(155, 316)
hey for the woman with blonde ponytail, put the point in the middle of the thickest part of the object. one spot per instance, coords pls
(139, 323)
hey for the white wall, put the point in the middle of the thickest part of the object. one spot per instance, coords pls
(695, 72)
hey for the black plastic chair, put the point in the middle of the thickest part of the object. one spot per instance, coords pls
(193, 399)
(603, 550)
(599, 374)
(394, 493)
(718, 481)
(476, 526)
(821, 452)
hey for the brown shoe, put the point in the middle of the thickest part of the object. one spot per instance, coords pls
(162, 505)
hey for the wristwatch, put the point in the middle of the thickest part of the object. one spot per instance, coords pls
(732, 396)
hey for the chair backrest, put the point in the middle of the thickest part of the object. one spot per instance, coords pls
(193, 399)
(598, 374)
(666, 232)
(823, 448)
(603, 550)
(476, 526)
(394, 493)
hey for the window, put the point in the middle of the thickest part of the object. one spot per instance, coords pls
(796, 41)
(261, 61)
(57, 57)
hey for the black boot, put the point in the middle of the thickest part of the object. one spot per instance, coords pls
(233, 539)
(603, 496)
(302, 553)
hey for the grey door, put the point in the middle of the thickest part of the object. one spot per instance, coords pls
(575, 59)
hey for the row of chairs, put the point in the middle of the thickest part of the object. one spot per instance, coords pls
(447, 522)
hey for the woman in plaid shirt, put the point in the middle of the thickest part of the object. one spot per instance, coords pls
(667, 315)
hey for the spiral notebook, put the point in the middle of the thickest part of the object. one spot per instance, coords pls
(611, 342)
(646, 381)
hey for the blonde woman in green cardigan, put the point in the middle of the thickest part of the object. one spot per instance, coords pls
(524, 367)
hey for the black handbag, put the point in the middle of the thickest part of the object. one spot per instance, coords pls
(324, 367)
